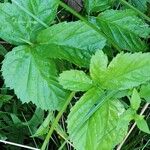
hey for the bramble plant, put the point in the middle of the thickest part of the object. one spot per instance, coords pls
(103, 58)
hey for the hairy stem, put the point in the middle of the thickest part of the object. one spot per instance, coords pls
(56, 121)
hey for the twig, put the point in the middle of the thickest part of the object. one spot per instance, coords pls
(133, 126)
(18, 145)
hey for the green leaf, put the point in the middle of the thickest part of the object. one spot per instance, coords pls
(17, 26)
(126, 71)
(73, 41)
(33, 78)
(75, 80)
(97, 5)
(3, 51)
(101, 127)
(15, 119)
(135, 100)
(123, 93)
(33, 123)
(124, 29)
(145, 92)
(43, 129)
(4, 99)
(45, 10)
(140, 4)
(142, 124)
(36, 119)
(2, 137)
(98, 65)
(128, 115)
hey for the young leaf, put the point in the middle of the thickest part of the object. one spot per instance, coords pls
(124, 29)
(145, 92)
(98, 65)
(135, 100)
(17, 26)
(97, 5)
(101, 127)
(142, 124)
(128, 115)
(33, 78)
(73, 41)
(75, 80)
(126, 71)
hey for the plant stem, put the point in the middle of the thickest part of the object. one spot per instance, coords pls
(94, 27)
(56, 121)
(19, 145)
(133, 126)
(136, 10)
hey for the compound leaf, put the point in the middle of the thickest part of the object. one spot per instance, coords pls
(33, 78)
